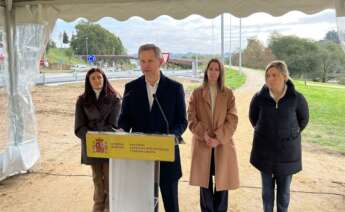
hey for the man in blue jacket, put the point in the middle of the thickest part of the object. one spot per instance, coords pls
(141, 113)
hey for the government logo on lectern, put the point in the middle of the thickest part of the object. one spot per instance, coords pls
(100, 146)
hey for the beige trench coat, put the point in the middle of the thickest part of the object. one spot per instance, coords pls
(222, 127)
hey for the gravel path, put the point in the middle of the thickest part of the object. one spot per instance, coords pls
(59, 183)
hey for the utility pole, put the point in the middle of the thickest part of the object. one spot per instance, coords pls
(240, 53)
(230, 54)
(86, 46)
(222, 36)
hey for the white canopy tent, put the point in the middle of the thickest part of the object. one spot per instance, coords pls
(27, 26)
(28, 11)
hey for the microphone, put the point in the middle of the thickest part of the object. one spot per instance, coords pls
(162, 112)
(178, 138)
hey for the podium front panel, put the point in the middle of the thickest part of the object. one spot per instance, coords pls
(131, 146)
(131, 185)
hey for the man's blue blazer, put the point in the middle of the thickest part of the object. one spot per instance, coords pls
(136, 115)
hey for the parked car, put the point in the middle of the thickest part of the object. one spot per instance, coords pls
(80, 67)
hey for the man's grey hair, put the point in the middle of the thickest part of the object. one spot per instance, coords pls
(280, 65)
(150, 46)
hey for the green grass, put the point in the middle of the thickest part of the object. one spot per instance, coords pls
(234, 79)
(56, 55)
(327, 114)
(321, 84)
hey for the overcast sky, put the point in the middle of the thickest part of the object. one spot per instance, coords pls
(200, 35)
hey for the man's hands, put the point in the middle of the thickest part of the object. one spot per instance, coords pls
(211, 142)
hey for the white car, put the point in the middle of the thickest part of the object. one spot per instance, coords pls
(80, 67)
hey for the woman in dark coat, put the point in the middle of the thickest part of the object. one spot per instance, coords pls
(278, 114)
(97, 109)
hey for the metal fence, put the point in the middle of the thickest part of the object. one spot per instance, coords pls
(54, 78)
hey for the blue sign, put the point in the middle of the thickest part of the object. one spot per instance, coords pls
(91, 58)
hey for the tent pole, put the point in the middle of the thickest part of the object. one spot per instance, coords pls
(9, 43)
(9, 4)
(16, 121)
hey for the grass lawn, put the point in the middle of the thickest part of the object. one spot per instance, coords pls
(327, 114)
(233, 79)
(56, 55)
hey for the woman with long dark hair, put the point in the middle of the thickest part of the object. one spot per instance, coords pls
(212, 118)
(97, 109)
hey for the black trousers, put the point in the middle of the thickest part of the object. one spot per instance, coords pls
(210, 199)
(283, 191)
(170, 196)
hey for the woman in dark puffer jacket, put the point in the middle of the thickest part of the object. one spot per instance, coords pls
(278, 114)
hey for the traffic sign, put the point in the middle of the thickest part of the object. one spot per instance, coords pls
(91, 58)
(166, 57)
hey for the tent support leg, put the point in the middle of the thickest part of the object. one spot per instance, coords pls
(14, 112)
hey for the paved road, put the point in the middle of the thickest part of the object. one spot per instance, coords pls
(52, 78)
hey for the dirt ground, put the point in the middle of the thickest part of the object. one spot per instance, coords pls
(58, 182)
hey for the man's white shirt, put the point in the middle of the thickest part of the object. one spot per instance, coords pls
(151, 90)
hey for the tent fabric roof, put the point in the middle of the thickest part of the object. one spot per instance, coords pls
(69, 10)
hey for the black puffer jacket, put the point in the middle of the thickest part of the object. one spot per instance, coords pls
(277, 131)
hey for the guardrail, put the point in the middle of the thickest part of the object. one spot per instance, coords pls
(54, 78)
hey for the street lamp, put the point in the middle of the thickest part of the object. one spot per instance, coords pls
(86, 46)
(222, 37)
(230, 54)
(240, 56)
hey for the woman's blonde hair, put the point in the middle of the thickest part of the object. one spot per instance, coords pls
(280, 65)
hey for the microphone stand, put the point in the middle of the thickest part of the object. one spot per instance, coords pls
(162, 112)
(157, 163)
(178, 140)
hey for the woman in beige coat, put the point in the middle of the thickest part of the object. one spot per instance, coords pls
(212, 119)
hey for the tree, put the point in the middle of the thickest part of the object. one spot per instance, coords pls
(298, 53)
(69, 53)
(267, 57)
(332, 36)
(65, 39)
(94, 39)
(256, 55)
(331, 57)
(51, 44)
